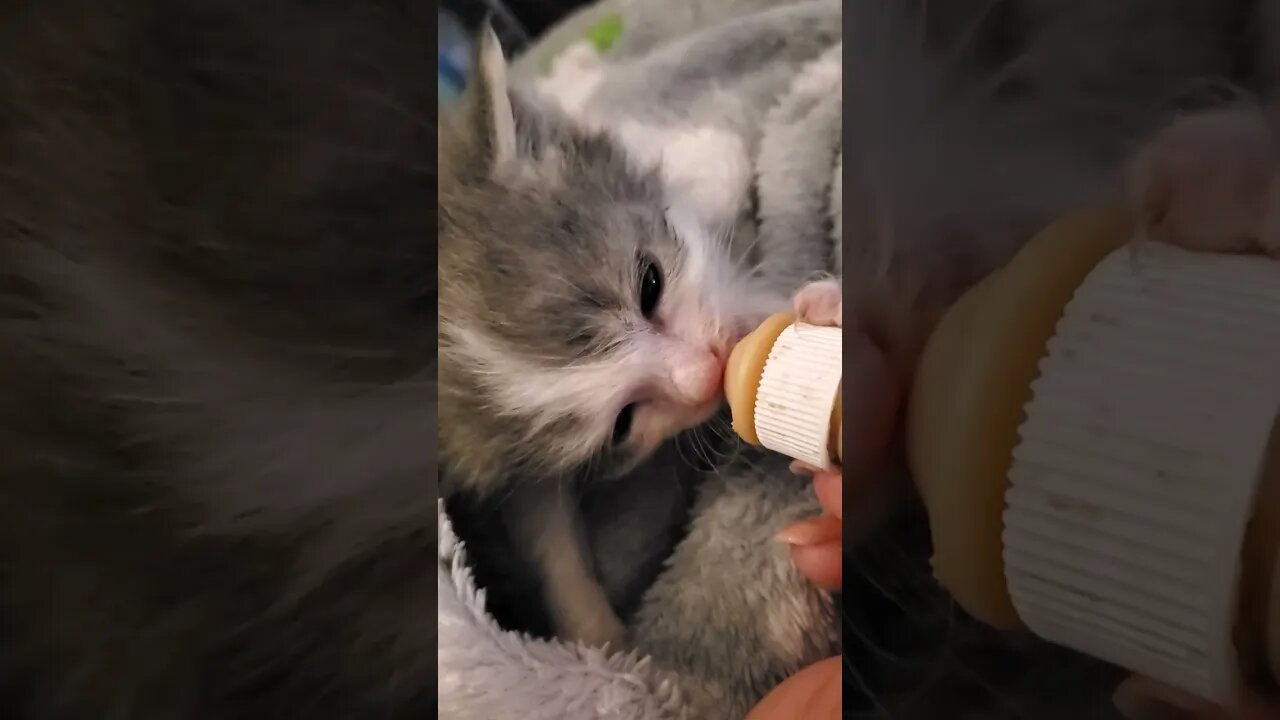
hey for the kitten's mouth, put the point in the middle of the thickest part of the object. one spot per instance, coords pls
(706, 411)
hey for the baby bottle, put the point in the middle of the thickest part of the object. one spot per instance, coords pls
(1093, 430)
(783, 386)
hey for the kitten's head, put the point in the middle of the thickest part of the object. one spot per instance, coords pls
(582, 319)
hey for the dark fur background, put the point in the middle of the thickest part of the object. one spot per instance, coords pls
(217, 316)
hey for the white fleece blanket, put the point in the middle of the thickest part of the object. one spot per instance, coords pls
(486, 673)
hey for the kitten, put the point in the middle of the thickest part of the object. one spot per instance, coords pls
(584, 321)
(216, 360)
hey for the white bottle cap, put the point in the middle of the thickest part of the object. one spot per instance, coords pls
(798, 393)
(1138, 461)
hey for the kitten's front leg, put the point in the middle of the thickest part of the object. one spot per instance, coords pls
(1209, 182)
(730, 616)
(543, 519)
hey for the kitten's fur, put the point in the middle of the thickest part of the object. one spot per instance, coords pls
(216, 360)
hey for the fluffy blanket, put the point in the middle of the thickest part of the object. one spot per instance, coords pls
(738, 103)
(487, 672)
(727, 619)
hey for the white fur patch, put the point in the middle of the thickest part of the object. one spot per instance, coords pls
(711, 281)
(704, 168)
(574, 76)
(821, 76)
(545, 393)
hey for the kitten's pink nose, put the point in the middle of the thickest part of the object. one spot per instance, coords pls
(698, 379)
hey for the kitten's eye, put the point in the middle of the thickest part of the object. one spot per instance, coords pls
(650, 286)
(622, 426)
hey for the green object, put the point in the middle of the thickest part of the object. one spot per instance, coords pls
(605, 32)
(599, 23)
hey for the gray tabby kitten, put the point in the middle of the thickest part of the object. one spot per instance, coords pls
(583, 323)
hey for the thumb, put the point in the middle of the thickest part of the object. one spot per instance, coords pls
(814, 693)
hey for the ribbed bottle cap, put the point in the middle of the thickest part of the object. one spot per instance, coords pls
(798, 392)
(1138, 461)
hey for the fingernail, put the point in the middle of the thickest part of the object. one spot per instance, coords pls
(802, 469)
(810, 531)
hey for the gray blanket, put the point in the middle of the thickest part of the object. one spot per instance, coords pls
(739, 104)
(741, 108)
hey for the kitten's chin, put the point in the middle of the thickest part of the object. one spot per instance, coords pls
(697, 415)
(682, 422)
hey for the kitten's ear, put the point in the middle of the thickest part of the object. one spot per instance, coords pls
(492, 114)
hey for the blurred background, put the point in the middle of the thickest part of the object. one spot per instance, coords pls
(517, 23)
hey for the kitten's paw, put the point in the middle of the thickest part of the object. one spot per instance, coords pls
(1204, 182)
(820, 303)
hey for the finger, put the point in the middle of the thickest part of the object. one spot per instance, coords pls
(817, 549)
(823, 564)
(814, 693)
(811, 531)
(829, 487)
(800, 467)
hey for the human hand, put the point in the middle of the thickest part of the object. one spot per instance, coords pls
(1140, 698)
(816, 543)
(811, 694)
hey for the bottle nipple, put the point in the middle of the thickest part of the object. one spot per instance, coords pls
(782, 383)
